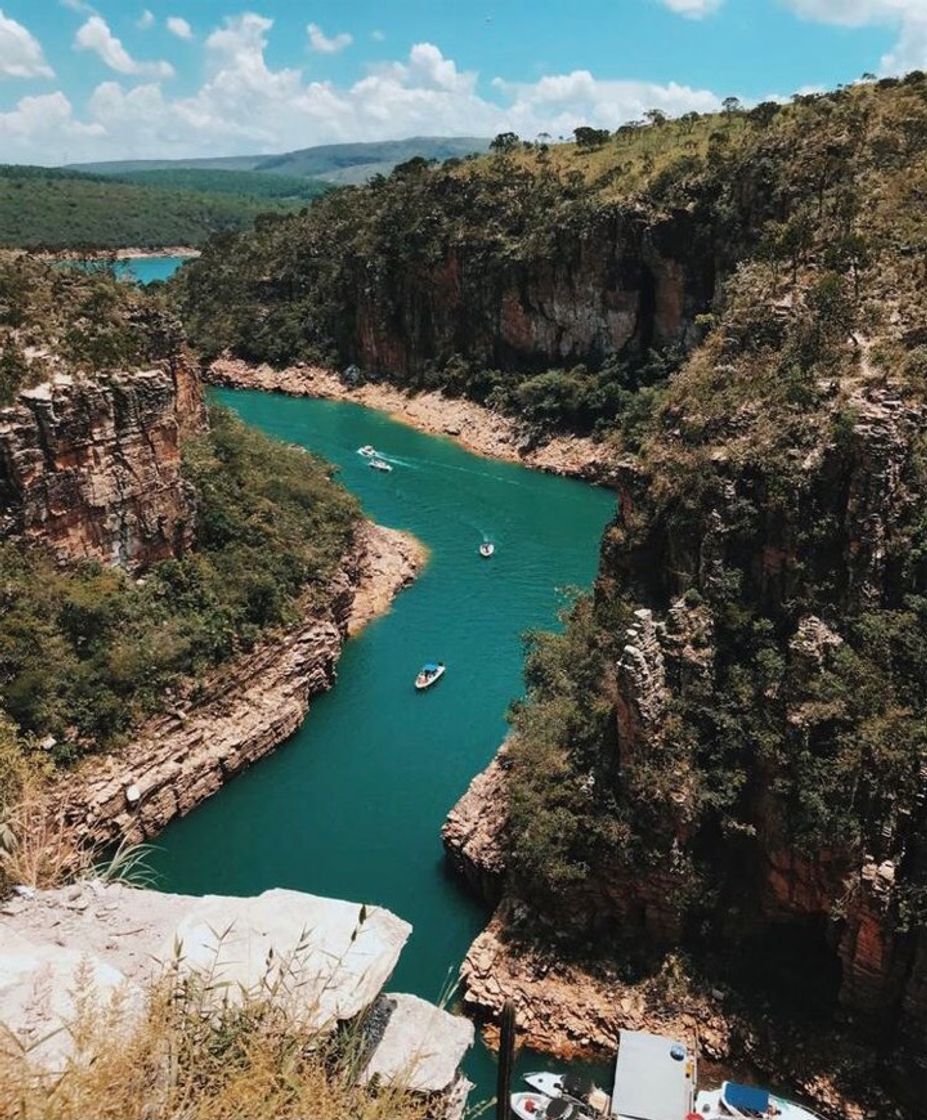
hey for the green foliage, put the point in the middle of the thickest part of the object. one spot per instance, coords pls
(86, 652)
(245, 184)
(76, 320)
(42, 209)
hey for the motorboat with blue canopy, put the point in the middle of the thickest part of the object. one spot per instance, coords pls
(734, 1101)
(429, 674)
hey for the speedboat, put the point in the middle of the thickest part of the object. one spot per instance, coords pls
(535, 1106)
(379, 465)
(430, 674)
(571, 1086)
(487, 548)
(746, 1102)
(367, 451)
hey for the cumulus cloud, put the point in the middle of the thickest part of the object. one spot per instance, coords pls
(246, 105)
(179, 27)
(20, 52)
(908, 16)
(322, 44)
(45, 127)
(693, 9)
(145, 20)
(96, 36)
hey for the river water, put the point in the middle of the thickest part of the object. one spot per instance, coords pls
(352, 805)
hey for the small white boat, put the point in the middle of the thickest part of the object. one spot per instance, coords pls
(367, 451)
(746, 1102)
(379, 465)
(430, 674)
(535, 1106)
(574, 1087)
(487, 548)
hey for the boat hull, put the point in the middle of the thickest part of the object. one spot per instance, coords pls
(423, 683)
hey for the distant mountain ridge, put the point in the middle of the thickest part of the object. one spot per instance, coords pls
(334, 163)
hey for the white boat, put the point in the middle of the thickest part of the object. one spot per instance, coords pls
(746, 1102)
(430, 674)
(379, 465)
(574, 1087)
(535, 1106)
(487, 548)
(367, 451)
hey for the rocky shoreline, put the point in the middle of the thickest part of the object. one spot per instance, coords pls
(131, 253)
(473, 426)
(573, 1009)
(241, 712)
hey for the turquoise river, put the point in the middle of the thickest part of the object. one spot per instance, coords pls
(352, 805)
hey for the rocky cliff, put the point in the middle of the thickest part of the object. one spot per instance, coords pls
(320, 962)
(619, 284)
(91, 467)
(241, 711)
(762, 767)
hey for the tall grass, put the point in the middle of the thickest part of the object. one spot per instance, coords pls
(191, 1053)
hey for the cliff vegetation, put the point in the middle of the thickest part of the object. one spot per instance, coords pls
(728, 740)
(89, 647)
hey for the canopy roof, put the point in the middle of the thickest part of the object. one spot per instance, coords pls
(745, 1098)
(430, 667)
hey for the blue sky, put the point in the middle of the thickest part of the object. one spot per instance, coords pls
(120, 79)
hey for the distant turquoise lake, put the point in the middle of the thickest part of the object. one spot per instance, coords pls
(143, 269)
(352, 805)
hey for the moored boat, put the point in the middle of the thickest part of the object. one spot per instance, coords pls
(535, 1106)
(487, 548)
(571, 1086)
(747, 1102)
(429, 674)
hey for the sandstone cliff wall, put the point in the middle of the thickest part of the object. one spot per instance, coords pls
(622, 284)
(91, 468)
(240, 712)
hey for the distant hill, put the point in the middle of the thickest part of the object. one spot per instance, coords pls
(42, 208)
(253, 184)
(333, 163)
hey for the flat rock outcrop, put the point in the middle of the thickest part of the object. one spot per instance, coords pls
(332, 959)
(91, 467)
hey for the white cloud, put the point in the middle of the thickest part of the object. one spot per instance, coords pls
(693, 9)
(179, 27)
(322, 44)
(377, 35)
(245, 105)
(20, 52)
(145, 20)
(909, 17)
(78, 6)
(44, 128)
(96, 36)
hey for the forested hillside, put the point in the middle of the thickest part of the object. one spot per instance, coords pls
(41, 208)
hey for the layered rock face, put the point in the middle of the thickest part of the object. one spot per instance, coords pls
(620, 285)
(240, 712)
(842, 902)
(91, 468)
